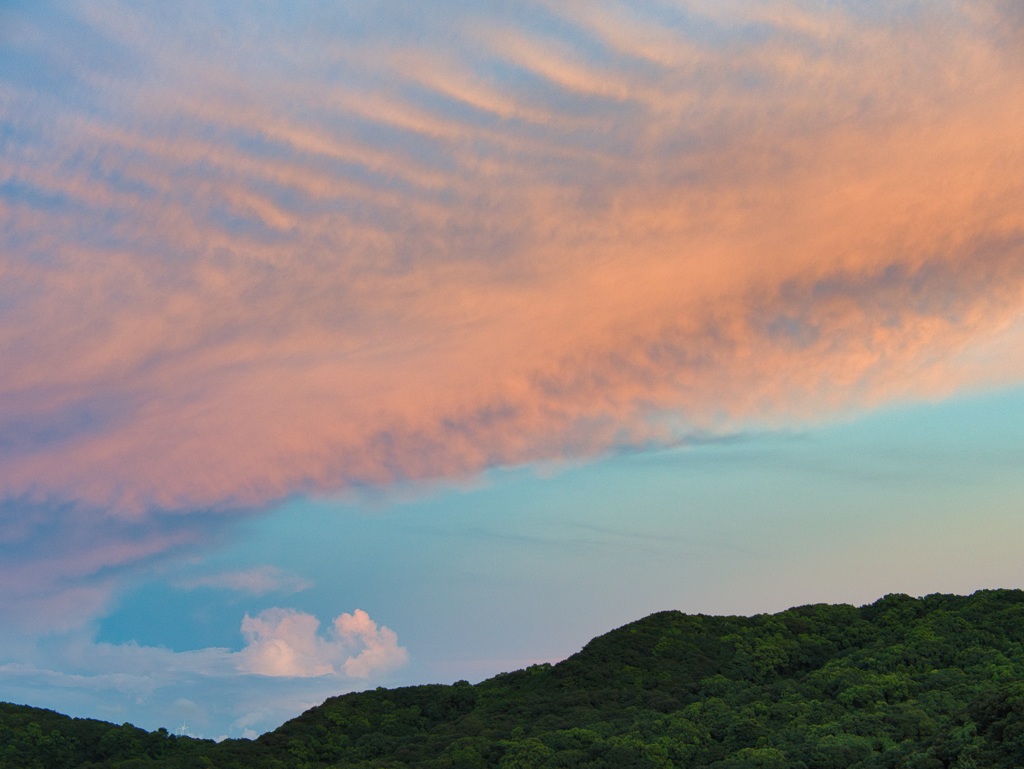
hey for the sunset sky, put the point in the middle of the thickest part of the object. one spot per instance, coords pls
(362, 344)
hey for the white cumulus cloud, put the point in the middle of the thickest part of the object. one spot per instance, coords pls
(286, 642)
(285, 667)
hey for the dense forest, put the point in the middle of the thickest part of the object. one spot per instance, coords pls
(926, 683)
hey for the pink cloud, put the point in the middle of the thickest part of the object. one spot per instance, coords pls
(219, 290)
(378, 647)
(285, 643)
(61, 566)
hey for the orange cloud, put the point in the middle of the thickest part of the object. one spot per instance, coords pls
(497, 252)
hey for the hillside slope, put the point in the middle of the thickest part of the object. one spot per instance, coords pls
(931, 683)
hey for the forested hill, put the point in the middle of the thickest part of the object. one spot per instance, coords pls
(920, 683)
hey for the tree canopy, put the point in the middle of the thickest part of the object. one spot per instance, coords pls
(925, 683)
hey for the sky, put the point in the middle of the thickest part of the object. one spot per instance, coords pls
(364, 344)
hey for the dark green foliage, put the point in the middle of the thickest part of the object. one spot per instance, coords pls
(32, 738)
(929, 683)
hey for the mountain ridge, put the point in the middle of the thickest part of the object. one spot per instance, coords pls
(932, 682)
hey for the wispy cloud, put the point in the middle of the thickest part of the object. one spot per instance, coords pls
(259, 580)
(246, 261)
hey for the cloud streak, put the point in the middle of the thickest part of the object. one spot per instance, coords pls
(259, 580)
(245, 262)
